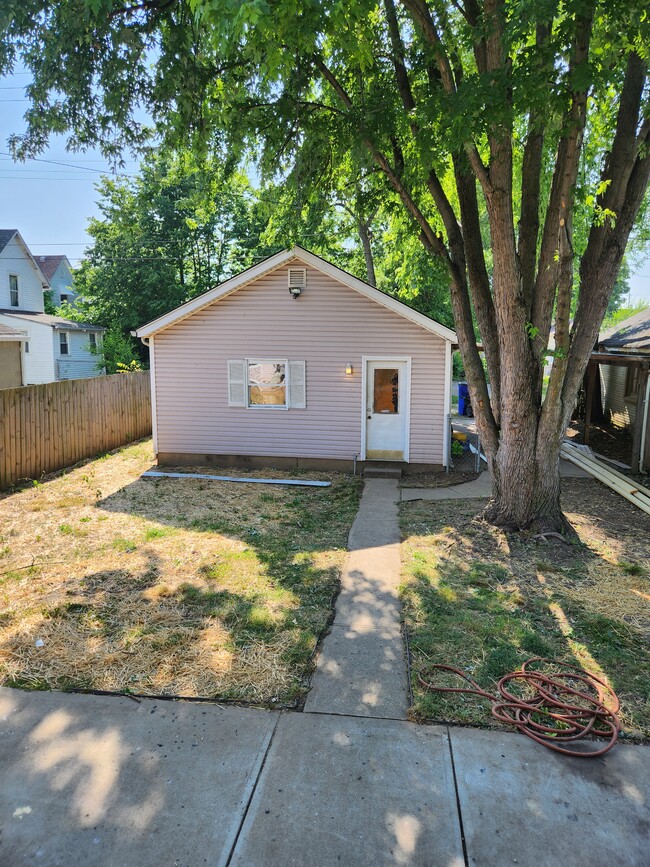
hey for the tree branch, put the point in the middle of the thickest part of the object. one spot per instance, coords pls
(531, 176)
(562, 189)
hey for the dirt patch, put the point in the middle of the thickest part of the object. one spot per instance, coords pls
(438, 479)
(484, 601)
(169, 586)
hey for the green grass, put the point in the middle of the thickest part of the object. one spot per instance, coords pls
(170, 586)
(483, 606)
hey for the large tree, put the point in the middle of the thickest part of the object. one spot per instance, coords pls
(498, 126)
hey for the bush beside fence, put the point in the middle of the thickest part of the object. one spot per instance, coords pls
(48, 427)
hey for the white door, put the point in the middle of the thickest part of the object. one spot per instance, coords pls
(387, 406)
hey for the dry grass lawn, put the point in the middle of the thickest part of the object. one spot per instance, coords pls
(185, 587)
(484, 602)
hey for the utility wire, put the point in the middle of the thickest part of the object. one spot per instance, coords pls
(57, 163)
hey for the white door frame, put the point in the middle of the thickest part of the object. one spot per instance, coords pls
(405, 359)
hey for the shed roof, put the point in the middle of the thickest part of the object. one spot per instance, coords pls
(631, 335)
(58, 323)
(10, 334)
(278, 260)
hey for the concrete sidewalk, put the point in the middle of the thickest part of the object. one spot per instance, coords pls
(361, 669)
(94, 781)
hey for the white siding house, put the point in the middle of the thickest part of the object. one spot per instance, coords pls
(46, 354)
(298, 363)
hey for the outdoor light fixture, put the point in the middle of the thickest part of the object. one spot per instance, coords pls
(295, 291)
(349, 368)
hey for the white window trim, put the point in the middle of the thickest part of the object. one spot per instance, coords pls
(407, 398)
(92, 339)
(17, 304)
(268, 406)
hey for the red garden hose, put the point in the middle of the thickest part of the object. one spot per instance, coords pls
(557, 708)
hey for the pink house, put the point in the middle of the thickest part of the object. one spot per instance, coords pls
(296, 363)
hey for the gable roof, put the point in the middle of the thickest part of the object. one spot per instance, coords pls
(273, 263)
(49, 264)
(631, 335)
(7, 235)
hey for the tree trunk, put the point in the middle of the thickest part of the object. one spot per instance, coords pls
(526, 483)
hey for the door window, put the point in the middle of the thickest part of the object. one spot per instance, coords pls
(386, 391)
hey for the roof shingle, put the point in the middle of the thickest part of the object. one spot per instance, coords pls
(5, 236)
(631, 335)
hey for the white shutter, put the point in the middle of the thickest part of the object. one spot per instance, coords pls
(236, 383)
(297, 385)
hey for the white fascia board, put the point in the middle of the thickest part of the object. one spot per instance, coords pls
(215, 294)
(276, 261)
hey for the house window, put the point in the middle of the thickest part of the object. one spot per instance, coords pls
(27, 346)
(63, 343)
(64, 297)
(267, 383)
(632, 383)
(385, 398)
(13, 290)
(92, 339)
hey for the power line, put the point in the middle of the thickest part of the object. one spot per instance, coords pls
(57, 163)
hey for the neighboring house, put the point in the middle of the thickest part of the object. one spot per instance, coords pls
(621, 360)
(295, 362)
(52, 348)
(58, 274)
(11, 357)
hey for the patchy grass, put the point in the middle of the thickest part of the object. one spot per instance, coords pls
(167, 586)
(484, 602)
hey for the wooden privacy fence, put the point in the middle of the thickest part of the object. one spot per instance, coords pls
(48, 427)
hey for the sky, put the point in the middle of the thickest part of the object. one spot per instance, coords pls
(50, 203)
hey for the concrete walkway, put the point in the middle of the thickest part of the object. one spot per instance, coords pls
(361, 669)
(479, 488)
(95, 781)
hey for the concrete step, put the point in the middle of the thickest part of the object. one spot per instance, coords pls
(382, 473)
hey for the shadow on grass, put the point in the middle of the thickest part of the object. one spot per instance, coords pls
(211, 590)
(485, 603)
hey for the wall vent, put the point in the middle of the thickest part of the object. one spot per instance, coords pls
(297, 277)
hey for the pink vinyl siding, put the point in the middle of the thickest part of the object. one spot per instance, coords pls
(329, 326)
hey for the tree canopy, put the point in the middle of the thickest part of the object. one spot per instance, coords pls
(514, 137)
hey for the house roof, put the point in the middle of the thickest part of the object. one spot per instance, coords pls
(58, 323)
(49, 264)
(8, 333)
(5, 236)
(631, 335)
(278, 260)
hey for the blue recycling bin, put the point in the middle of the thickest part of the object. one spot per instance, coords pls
(463, 397)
